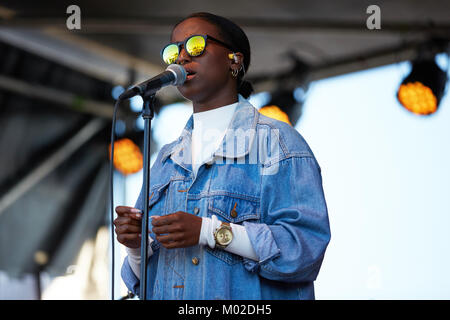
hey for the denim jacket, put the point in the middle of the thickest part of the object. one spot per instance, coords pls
(265, 177)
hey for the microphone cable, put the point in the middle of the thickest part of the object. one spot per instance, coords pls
(111, 194)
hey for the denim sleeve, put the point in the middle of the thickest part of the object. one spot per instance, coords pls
(129, 278)
(292, 240)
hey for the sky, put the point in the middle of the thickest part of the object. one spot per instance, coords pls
(386, 179)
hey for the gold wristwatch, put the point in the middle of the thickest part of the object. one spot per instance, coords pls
(223, 235)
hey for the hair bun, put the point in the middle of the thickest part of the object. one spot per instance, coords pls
(245, 89)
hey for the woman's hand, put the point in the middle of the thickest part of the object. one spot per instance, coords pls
(128, 226)
(177, 230)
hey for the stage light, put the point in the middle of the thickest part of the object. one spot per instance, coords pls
(128, 158)
(421, 91)
(275, 113)
(284, 106)
(117, 91)
(136, 103)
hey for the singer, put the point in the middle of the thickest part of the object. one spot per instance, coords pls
(237, 207)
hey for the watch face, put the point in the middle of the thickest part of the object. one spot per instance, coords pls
(224, 236)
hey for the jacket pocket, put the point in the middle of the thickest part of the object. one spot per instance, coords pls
(232, 208)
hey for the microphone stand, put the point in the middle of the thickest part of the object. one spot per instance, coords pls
(175, 75)
(147, 114)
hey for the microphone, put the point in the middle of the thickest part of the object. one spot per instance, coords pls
(174, 75)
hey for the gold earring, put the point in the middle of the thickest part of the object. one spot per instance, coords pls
(234, 72)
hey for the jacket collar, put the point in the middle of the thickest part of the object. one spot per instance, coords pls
(243, 122)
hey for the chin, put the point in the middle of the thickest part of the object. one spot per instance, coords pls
(190, 93)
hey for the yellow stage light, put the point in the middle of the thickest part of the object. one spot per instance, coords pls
(417, 98)
(128, 158)
(275, 113)
(421, 91)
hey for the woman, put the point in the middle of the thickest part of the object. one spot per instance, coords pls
(236, 203)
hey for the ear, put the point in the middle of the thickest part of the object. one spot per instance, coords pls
(236, 60)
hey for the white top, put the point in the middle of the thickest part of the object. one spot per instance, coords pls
(208, 131)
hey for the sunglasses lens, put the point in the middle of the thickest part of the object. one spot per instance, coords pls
(195, 45)
(170, 53)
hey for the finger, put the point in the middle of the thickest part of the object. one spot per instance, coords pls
(164, 239)
(125, 210)
(127, 228)
(164, 220)
(161, 221)
(136, 216)
(160, 230)
(170, 228)
(126, 237)
(127, 220)
(170, 237)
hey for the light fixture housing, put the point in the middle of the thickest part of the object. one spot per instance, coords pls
(283, 106)
(422, 90)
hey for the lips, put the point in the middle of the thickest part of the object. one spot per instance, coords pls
(190, 74)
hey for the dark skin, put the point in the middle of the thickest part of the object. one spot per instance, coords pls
(212, 87)
(175, 230)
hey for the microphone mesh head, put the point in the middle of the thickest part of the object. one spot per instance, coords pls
(180, 74)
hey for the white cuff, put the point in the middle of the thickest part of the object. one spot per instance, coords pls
(134, 257)
(209, 225)
(241, 244)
